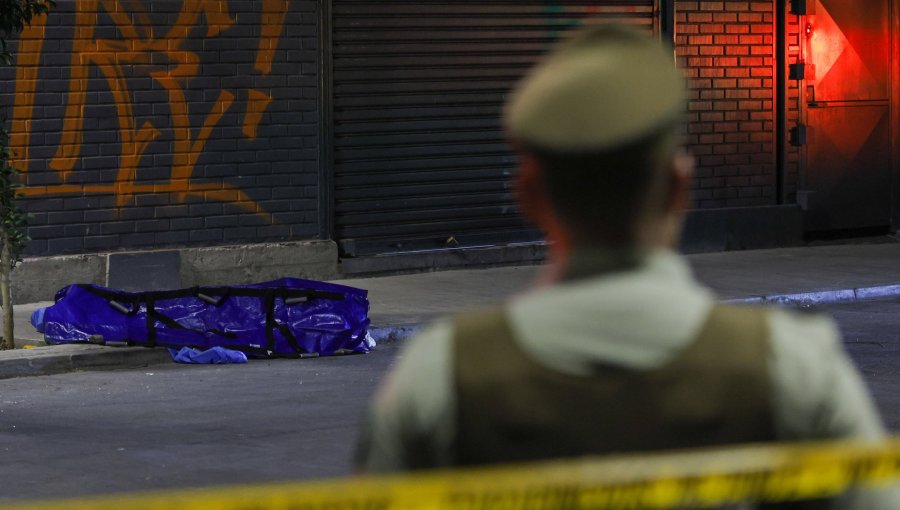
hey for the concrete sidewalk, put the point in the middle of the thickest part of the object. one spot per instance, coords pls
(813, 274)
(401, 303)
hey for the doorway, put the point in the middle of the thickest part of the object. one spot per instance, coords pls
(846, 100)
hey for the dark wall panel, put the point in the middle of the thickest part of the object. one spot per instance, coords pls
(160, 123)
(419, 154)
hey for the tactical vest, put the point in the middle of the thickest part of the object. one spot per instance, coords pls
(512, 408)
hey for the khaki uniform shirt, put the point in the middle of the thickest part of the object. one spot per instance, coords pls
(638, 318)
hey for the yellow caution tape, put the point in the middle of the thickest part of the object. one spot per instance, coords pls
(691, 479)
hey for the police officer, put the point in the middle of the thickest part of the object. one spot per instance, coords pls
(619, 349)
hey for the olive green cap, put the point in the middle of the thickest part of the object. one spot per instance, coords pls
(606, 86)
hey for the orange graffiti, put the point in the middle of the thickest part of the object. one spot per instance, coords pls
(113, 58)
(257, 104)
(274, 15)
(142, 17)
(31, 42)
(218, 18)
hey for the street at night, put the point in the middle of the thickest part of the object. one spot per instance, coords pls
(174, 426)
(564, 190)
(872, 337)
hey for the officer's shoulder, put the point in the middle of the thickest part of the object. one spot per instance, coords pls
(807, 326)
(807, 321)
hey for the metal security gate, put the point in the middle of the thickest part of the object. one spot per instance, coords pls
(420, 159)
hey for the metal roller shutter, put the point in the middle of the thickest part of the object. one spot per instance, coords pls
(420, 159)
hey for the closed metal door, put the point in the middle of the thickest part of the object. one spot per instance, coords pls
(848, 157)
(420, 158)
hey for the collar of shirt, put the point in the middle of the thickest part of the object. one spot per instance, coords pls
(635, 310)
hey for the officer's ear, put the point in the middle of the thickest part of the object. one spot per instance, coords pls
(535, 203)
(681, 172)
(528, 187)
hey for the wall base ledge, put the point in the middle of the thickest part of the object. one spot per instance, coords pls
(39, 278)
(742, 228)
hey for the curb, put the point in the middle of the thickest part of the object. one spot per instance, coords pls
(59, 359)
(824, 296)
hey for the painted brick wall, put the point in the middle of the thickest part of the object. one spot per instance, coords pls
(157, 123)
(726, 50)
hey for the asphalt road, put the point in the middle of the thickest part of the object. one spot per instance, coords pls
(183, 425)
(170, 426)
(872, 337)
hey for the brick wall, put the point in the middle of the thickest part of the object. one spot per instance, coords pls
(158, 123)
(726, 50)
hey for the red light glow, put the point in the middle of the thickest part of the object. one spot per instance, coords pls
(849, 51)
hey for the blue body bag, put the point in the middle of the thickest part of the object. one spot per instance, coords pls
(289, 317)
